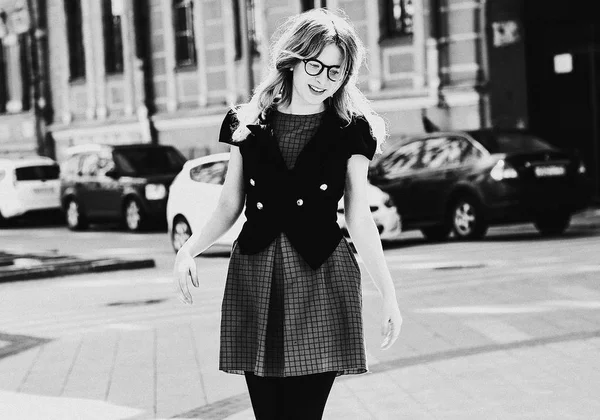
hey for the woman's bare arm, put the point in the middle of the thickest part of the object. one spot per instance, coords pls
(366, 239)
(229, 208)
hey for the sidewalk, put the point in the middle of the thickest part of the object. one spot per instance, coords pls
(14, 267)
(472, 347)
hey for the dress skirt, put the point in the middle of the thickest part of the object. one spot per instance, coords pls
(281, 318)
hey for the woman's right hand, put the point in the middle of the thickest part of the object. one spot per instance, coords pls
(185, 271)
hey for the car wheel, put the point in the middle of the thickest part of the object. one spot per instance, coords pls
(553, 223)
(181, 232)
(133, 215)
(74, 215)
(467, 218)
(436, 233)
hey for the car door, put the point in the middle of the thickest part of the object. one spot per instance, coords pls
(206, 185)
(109, 190)
(440, 161)
(396, 174)
(96, 193)
(87, 184)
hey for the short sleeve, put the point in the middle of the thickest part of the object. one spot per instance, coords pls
(228, 126)
(361, 140)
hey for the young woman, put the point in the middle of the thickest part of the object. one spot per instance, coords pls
(291, 314)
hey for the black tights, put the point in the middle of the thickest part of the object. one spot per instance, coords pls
(289, 398)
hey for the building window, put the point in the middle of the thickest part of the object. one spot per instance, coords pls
(26, 71)
(237, 21)
(112, 11)
(3, 89)
(311, 4)
(399, 17)
(185, 45)
(75, 39)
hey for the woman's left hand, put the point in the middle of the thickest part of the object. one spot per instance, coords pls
(391, 322)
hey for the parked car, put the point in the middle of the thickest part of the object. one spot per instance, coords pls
(196, 190)
(28, 184)
(463, 182)
(385, 214)
(128, 183)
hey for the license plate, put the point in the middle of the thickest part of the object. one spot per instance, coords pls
(46, 190)
(549, 170)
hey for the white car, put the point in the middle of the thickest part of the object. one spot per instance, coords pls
(193, 197)
(195, 191)
(384, 214)
(28, 184)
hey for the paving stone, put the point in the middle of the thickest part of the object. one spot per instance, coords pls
(51, 369)
(92, 369)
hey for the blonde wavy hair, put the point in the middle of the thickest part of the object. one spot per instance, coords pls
(302, 37)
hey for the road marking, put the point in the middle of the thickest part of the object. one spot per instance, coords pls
(534, 307)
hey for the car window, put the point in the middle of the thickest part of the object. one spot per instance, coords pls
(105, 163)
(210, 173)
(402, 160)
(37, 172)
(71, 165)
(149, 160)
(440, 152)
(89, 165)
(469, 153)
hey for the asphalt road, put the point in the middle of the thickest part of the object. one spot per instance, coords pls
(514, 290)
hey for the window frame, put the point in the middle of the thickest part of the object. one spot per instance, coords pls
(184, 32)
(113, 39)
(391, 26)
(74, 28)
(197, 172)
(251, 25)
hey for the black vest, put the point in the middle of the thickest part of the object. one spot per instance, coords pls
(300, 202)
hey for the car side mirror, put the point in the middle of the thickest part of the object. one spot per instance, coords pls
(113, 173)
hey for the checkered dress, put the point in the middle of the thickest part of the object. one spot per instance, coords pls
(279, 316)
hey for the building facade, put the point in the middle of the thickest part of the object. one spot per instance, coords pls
(24, 92)
(167, 70)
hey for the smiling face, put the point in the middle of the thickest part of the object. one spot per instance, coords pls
(310, 92)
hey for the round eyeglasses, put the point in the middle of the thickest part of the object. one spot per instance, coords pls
(314, 67)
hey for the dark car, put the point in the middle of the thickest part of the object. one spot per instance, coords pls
(128, 183)
(463, 182)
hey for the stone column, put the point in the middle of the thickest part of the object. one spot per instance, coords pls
(129, 59)
(200, 42)
(262, 32)
(372, 45)
(62, 57)
(97, 24)
(169, 43)
(227, 8)
(419, 44)
(14, 83)
(90, 56)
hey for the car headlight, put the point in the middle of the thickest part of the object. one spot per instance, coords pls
(503, 170)
(582, 169)
(155, 191)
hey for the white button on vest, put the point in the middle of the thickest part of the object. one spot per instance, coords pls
(252, 182)
(299, 202)
(323, 187)
(259, 205)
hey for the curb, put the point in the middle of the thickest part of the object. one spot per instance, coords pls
(70, 266)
